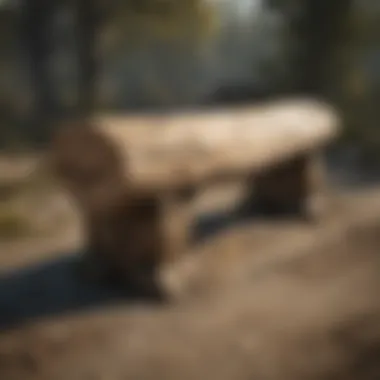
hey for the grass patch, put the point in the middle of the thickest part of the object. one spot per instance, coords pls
(19, 195)
(13, 224)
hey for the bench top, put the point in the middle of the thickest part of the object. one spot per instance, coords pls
(164, 151)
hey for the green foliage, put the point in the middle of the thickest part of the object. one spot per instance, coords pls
(158, 20)
(12, 223)
(21, 196)
(356, 85)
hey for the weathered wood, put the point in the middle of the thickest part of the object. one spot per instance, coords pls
(114, 157)
(128, 241)
(293, 187)
(168, 151)
(176, 219)
(115, 168)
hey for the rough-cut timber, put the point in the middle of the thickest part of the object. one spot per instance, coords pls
(165, 151)
(134, 177)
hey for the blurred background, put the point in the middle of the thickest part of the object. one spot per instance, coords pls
(161, 54)
(61, 57)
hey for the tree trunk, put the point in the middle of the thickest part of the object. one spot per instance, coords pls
(320, 27)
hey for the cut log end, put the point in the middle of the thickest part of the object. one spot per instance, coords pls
(90, 166)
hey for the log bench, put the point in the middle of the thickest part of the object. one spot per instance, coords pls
(135, 178)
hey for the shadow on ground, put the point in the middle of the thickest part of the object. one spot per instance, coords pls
(49, 288)
(55, 287)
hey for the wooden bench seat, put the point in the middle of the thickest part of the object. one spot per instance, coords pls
(134, 178)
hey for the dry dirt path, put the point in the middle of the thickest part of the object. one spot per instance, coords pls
(303, 306)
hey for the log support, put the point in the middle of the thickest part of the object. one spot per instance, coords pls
(126, 244)
(294, 187)
(176, 223)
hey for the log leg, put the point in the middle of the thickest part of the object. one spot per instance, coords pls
(127, 249)
(293, 187)
(176, 224)
(92, 265)
(127, 245)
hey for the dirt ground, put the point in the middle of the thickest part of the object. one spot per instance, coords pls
(288, 301)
